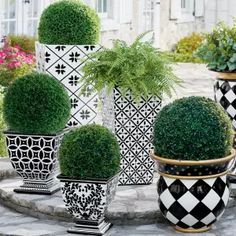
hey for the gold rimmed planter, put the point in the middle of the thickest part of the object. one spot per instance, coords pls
(192, 195)
(225, 95)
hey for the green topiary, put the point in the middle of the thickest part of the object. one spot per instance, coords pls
(69, 22)
(90, 151)
(36, 104)
(193, 128)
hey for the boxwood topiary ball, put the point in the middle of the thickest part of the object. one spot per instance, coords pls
(90, 151)
(193, 128)
(69, 22)
(36, 104)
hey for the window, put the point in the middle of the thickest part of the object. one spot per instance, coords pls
(183, 4)
(148, 15)
(102, 7)
(187, 8)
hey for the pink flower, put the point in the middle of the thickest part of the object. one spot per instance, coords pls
(1, 61)
(14, 64)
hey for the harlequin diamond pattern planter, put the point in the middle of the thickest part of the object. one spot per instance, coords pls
(34, 157)
(132, 123)
(64, 63)
(193, 201)
(87, 201)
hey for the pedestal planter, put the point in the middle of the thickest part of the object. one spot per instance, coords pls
(87, 201)
(193, 194)
(34, 157)
(132, 122)
(64, 63)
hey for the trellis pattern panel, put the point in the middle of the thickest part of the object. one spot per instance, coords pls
(64, 63)
(132, 122)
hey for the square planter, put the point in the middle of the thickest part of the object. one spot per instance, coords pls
(132, 123)
(87, 201)
(64, 63)
(34, 158)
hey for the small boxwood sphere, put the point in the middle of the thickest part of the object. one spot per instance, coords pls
(193, 128)
(90, 151)
(69, 22)
(36, 104)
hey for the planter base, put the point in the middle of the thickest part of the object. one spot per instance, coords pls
(92, 229)
(191, 230)
(39, 187)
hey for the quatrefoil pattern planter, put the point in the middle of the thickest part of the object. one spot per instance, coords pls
(34, 158)
(64, 63)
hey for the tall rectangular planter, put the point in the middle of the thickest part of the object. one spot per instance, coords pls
(132, 123)
(34, 158)
(64, 63)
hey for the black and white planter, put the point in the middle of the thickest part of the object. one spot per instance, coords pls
(192, 195)
(225, 95)
(35, 158)
(87, 201)
(132, 124)
(64, 63)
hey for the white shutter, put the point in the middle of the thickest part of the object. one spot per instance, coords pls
(175, 9)
(199, 7)
(126, 11)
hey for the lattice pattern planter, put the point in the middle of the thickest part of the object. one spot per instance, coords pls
(64, 63)
(87, 201)
(34, 157)
(132, 123)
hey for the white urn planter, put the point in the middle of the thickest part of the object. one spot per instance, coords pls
(132, 123)
(64, 63)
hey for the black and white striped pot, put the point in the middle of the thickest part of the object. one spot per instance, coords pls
(35, 158)
(225, 95)
(64, 63)
(192, 195)
(132, 123)
(87, 201)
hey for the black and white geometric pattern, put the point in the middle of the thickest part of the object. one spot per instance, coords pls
(132, 122)
(64, 63)
(34, 158)
(225, 95)
(87, 201)
(193, 204)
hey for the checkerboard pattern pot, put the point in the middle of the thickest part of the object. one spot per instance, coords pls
(194, 201)
(132, 123)
(87, 200)
(64, 63)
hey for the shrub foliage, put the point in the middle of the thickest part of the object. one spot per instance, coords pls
(36, 104)
(90, 151)
(140, 68)
(69, 22)
(193, 128)
(218, 51)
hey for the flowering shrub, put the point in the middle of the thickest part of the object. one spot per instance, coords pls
(14, 63)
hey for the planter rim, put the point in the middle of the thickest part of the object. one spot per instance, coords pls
(192, 163)
(97, 44)
(10, 132)
(226, 75)
(63, 178)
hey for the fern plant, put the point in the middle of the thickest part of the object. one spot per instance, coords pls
(138, 67)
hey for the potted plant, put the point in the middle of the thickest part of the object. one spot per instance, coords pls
(218, 51)
(68, 32)
(134, 77)
(89, 162)
(36, 108)
(193, 149)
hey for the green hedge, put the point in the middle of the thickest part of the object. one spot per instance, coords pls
(36, 104)
(194, 128)
(90, 151)
(69, 22)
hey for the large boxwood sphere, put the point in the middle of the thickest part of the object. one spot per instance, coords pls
(90, 151)
(69, 22)
(36, 104)
(193, 128)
